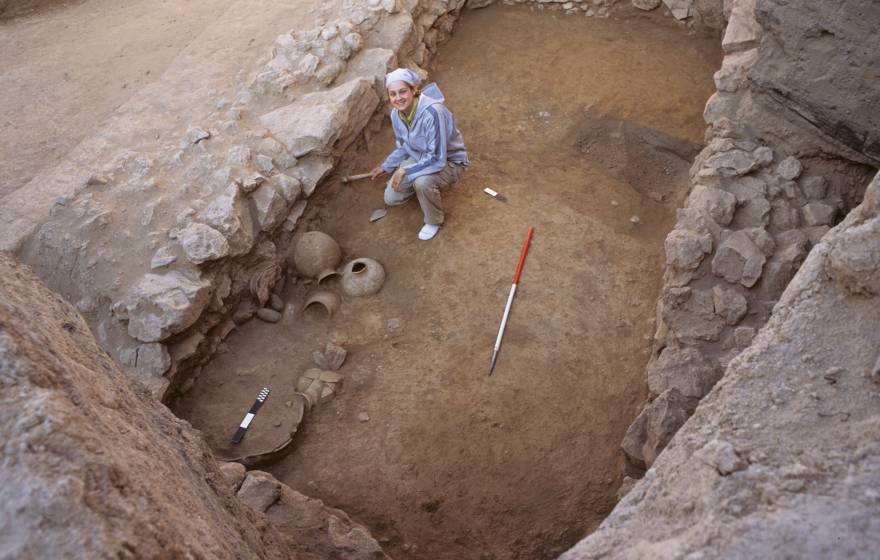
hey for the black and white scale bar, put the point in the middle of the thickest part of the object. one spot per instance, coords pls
(242, 428)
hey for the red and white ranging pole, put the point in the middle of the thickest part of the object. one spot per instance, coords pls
(522, 258)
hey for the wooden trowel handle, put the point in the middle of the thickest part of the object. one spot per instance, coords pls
(350, 178)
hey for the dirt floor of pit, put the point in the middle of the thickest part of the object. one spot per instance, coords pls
(582, 123)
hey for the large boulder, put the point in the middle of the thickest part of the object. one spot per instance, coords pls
(317, 121)
(160, 305)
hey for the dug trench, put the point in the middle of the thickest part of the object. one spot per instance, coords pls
(588, 127)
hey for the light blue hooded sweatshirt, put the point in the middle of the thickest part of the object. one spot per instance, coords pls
(430, 141)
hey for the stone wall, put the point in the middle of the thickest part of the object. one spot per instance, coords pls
(160, 231)
(782, 458)
(709, 14)
(766, 188)
(94, 467)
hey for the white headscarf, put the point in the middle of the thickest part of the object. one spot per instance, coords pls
(402, 75)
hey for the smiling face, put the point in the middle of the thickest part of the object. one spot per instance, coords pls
(401, 95)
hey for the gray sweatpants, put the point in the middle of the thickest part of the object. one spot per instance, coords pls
(427, 189)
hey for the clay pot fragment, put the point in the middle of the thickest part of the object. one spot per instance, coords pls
(362, 277)
(328, 300)
(317, 255)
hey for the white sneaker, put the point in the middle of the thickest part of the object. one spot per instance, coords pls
(428, 231)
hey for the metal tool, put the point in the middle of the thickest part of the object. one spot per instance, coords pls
(357, 177)
(378, 214)
(495, 194)
(242, 428)
(522, 258)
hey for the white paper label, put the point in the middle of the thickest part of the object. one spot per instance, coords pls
(247, 420)
(490, 192)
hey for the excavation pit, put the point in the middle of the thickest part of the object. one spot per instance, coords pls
(584, 124)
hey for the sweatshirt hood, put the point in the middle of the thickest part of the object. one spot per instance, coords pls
(431, 95)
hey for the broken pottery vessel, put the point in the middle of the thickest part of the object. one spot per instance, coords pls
(329, 300)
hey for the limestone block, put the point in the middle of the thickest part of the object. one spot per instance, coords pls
(729, 304)
(317, 121)
(732, 163)
(816, 233)
(815, 187)
(743, 31)
(732, 75)
(739, 260)
(289, 187)
(270, 206)
(854, 258)
(310, 171)
(681, 9)
(719, 204)
(294, 215)
(373, 63)
(819, 214)
(746, 188)
(646, 5)
(146, 360)
(784, 216)
(164, 304)
(690, 314)
(230, 215)
(685, 248)
(684, 369)
(202, 243)
(259, 490)
(781, 268)
(789, 168)
(754, 213)
(655, 425)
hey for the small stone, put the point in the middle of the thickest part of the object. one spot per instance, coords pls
(363, 417)
(789, 168)
(195, 134)
(268, 315)
(276, 303)
(634, 220)
(393, 324)
(251, 182)
(163, 257)
(833, 374)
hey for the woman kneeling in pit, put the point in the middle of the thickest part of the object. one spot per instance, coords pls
(429, 151)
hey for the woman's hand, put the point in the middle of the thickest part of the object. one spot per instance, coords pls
(397, 178)
(376, 172)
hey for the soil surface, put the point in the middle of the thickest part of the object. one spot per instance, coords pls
(65, 68)
(583, 124)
